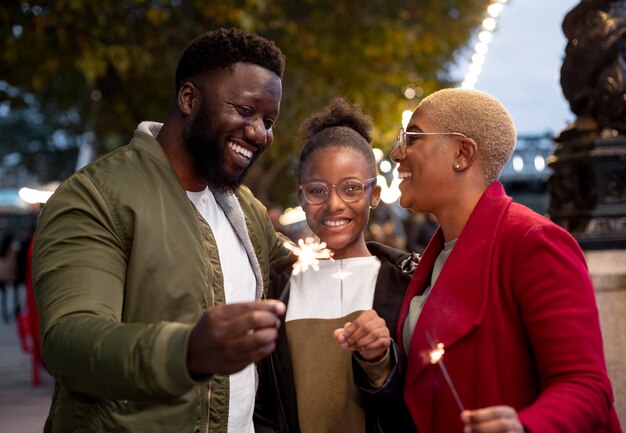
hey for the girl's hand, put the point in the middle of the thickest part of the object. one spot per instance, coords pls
(367, 335)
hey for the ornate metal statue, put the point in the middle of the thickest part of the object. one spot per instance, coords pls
(592, 75)
(588, 188)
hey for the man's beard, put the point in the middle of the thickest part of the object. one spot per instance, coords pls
(208, 156)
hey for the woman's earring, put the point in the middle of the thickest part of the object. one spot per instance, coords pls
(457, 166)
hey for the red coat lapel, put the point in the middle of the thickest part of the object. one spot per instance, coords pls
(449, 314)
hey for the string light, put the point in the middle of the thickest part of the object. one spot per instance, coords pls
(482, 46)
(390, 192)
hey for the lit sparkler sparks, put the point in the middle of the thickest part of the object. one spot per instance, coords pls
(309, 253)
(436, 357)
(436, 354)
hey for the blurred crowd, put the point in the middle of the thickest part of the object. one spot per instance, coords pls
(13, 262)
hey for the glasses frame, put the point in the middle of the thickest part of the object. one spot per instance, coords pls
(401, 143)
(364, 183)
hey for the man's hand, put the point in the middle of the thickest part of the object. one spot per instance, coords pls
(494, 419)
(228, 337)
(368, 335)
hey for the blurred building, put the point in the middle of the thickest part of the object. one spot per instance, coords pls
(525, 174)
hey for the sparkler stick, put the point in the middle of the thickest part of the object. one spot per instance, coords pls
(436, 357)
(309, 254)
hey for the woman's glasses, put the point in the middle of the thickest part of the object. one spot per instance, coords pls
(349, 190)
(401, 141)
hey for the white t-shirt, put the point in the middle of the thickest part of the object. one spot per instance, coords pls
(239, 286)
(337, 289)
(417, 303)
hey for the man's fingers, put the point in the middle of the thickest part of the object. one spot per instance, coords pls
(259, 337)
(230, 336)
(237, 324)
(255, 341)
(251, 322)
(229, 310)
(249, 347)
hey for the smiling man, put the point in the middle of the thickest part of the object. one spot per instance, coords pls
(149, 263)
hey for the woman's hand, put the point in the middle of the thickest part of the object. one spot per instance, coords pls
(368, 335)
(494, 419)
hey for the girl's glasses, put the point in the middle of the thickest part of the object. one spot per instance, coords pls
(349, 190)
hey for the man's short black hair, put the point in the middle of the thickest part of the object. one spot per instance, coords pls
(221, 48)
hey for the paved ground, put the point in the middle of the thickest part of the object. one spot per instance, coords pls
(23, 408)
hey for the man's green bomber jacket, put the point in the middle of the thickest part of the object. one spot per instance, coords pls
(124, 266)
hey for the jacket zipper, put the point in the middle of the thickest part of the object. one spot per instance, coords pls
(210, 303)
(208, 400)
(208, 405)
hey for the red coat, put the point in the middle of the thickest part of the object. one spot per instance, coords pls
(516, 311)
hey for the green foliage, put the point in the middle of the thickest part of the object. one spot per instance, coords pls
(113, 61)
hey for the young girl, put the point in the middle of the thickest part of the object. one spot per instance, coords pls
(307, 385)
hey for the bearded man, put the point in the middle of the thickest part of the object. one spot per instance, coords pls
(149, 264)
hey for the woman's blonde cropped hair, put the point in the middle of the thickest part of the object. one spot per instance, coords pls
(479, 116)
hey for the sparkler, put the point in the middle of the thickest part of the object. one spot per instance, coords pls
(436, 357)
(309, 254)
(340, 275)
